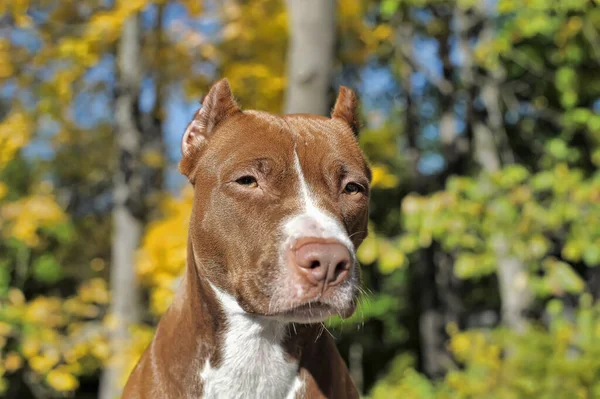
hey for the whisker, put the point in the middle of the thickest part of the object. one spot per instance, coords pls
(328, 332)
(356, 232)
(320, 332)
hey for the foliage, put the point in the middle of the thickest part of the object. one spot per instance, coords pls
(534, 211)
(162, 258)
(48, 339)
(435, 59)
(557, 361)
(52, 340)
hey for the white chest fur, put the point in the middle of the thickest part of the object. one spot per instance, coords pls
(253, 363)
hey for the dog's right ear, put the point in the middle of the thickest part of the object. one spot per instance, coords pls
(218, 105)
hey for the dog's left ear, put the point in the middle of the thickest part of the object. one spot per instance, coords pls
(346, 108)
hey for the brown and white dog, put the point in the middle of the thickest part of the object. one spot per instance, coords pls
(281, 204)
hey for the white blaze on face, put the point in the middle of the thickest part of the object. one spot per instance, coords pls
(312, 221)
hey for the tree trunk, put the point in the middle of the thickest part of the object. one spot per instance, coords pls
(128, 208)
(355, 365)
(431, 319)
(441, 294)
(310, 55)
(515, 293)
(490, 141)
(406, 70)
(514, 290)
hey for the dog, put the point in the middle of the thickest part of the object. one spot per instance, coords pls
(280, 207)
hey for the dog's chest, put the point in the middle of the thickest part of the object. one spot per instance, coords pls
(254, 364)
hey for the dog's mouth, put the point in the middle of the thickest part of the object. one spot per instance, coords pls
(312, 312)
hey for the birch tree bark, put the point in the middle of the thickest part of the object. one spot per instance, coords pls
(491, 152)
(310, 55)
(127, 211)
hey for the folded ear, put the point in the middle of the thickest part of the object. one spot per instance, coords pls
(346, 108)
(216, 107)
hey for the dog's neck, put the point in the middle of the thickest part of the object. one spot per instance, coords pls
(235, 352)
(254, 357)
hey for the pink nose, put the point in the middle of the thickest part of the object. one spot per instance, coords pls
(323, 262)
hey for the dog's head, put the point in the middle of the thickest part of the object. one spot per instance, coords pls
(281, 205)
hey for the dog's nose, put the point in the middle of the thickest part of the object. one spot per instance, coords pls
(323, 262)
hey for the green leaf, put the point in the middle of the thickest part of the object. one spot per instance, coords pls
(538, 246)
(562, 278)
(514, 174)
(377, 307)
(572, 250)
(4, 277)
(543, 181)
(63, 232)
(46, 269)
(594, 124)
(390, 257)
(569, 98)
(565, 78)
(591, 255)
(389, 7)
(558, 149)
(408, 243)
(465, 266)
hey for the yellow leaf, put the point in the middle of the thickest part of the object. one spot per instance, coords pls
(15, 131)
(5, 328)
(61, 381)
(16, 297)
(12, 362)
(44, 361)
(97, 264)
(153, 158)
(383, 32)
(30, 347)
(382, 178)
(368, 252)
(101, 350)
(28, 214)
(194, 7)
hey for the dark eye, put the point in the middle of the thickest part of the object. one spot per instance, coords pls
(248, 181)
(353, 188)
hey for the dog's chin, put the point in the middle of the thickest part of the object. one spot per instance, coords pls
(307, 310)
(313, 312)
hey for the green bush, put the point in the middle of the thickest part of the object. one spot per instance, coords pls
(561, 361)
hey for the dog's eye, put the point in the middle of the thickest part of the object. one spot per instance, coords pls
(248, 181)
(353, 188)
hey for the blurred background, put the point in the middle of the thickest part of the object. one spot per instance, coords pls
(481, 120)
